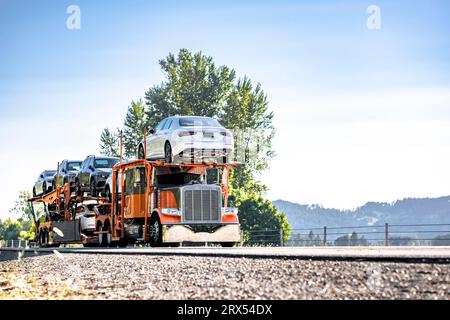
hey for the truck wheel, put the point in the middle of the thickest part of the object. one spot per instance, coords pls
(101, 237)
(107, 236)
(155, 232)
(122, 243)
(141, 152)
(167, 153)
(227, 244)
(43, 238)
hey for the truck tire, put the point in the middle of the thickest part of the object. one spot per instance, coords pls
(227, 244)
(122, 243)
(155, 231)
(101, 237)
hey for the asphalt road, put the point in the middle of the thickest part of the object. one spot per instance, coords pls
(420, 254)
(153, 276)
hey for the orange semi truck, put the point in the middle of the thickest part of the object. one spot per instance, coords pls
(167, 204)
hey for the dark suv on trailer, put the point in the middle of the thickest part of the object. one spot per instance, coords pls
(68, 170)
(93, 174)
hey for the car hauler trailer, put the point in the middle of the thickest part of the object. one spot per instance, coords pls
(167, 204)
(151, 202)
(67, 218)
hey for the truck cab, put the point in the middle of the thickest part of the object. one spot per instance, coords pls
(167, 204)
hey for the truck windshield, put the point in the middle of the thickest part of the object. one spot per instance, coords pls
(105, 163)
(198, 122)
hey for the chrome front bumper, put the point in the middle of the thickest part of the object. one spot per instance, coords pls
(180, 233)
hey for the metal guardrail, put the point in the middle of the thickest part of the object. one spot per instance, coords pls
(15, 244)
(375, 235)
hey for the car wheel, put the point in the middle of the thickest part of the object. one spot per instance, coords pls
(226, 158)
(108, 195)
(93, 190)
(141, 152)
(155, 231)
(167, 153)
(78, 188)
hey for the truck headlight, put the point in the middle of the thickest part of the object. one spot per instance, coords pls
(171, 212)
(229, 211)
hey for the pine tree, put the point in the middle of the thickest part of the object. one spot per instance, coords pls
(135, 122)
(110, 143)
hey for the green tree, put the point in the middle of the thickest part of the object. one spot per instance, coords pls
(193, 86)
(10, 229)
(25, 223)
(247, 113)
(110, 143)
(134, 125)
(257, 215)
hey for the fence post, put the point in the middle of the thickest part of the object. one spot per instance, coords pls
(386, 234)
(281, 238)
(325, 235)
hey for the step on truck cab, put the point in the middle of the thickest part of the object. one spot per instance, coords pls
(167, 204)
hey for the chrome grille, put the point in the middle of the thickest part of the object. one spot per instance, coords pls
(200, 204)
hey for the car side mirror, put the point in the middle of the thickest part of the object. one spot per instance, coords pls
(151, 131)
(91, 167)
(42, 176)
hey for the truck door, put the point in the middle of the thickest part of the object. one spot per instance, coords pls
(135, 186)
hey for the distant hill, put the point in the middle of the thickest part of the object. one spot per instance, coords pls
(406, 211)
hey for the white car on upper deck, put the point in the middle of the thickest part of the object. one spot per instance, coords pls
(188, 139)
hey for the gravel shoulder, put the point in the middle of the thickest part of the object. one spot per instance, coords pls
(91, 276)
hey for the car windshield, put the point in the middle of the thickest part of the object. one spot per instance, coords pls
(49, 173)
(73, 166)
(105, 163)
(198, 122)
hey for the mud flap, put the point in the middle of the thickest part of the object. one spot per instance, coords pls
(69, 231)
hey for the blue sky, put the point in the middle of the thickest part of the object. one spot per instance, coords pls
(360, 114)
